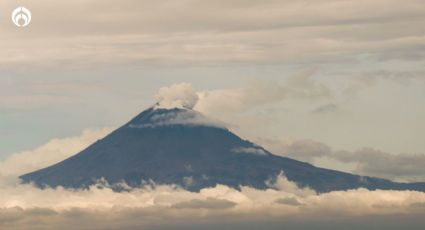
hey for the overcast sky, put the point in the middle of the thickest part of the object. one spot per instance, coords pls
(346, 74)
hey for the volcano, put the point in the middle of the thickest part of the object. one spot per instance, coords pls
(183, 147)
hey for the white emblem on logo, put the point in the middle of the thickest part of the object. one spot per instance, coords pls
(21, 17)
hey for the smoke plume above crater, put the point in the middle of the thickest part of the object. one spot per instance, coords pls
(177, 95)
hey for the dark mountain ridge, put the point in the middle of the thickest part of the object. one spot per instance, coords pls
(183, 147)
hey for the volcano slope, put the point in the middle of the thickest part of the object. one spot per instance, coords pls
(181, 146)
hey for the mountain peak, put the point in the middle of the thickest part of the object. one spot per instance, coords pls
(157, 116)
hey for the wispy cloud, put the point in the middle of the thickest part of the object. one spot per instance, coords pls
(365, 161)
(257, 93)
(221, 32)
(50, 153)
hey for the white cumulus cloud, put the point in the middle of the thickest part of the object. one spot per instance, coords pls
(52, 152)
(177, 95)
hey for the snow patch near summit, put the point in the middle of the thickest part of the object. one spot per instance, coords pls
(179, 117)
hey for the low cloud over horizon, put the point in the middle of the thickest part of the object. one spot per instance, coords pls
(172, 207)
(365, 161)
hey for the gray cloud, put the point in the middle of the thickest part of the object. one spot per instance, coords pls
(209, 203)
(367, 161)
(369, 79)
(301, 86)
(289, 201)
(201, 32)
(404, 167)
(325, 108)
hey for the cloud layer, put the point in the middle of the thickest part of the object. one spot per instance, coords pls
(365, 161)
(257, 93)
(224, 31)
(159, 207)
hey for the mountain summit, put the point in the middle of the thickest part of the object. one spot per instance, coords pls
(181, 146)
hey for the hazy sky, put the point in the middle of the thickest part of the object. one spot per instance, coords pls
(345, 74)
